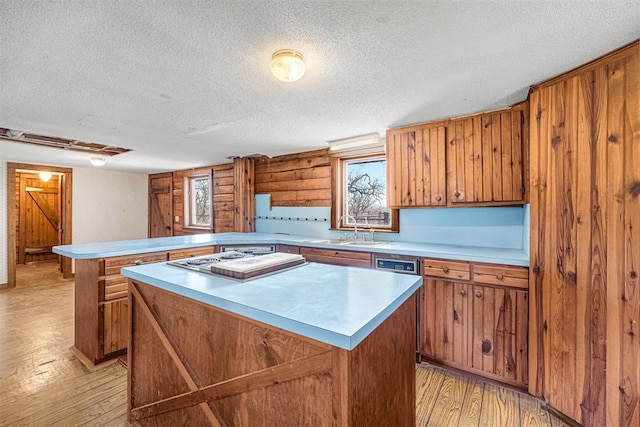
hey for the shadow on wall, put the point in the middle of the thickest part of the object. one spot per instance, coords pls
(495, 227)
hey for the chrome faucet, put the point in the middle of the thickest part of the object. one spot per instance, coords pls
(355, 224)
(371, 230)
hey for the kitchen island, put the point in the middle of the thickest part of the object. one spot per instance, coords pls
(313, 345)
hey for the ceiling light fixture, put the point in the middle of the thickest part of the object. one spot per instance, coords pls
(45, 176)
(98, 161)
(287, 65)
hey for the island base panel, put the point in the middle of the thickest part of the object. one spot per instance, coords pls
(194, 364)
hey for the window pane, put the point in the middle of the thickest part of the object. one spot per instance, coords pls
(200, 203)
(365, 193)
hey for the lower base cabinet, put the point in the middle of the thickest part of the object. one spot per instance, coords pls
(101, 302)
(476, 327)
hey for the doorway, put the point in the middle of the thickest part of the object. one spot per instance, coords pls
(38, 215)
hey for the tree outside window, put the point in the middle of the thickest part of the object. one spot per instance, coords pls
(365, 193)
(197, 201)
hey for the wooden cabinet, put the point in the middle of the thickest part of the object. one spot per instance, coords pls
(416, 166)
(585, 241)
(475, 160)
(484, 159)
(101, 302)
(468, 323)
(330, 256)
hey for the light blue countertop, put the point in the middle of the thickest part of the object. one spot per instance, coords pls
(339, 306)
(131, 247)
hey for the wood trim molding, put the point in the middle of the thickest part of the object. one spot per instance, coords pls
(622, 52)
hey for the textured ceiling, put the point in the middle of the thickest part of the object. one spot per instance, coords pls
(187, 83)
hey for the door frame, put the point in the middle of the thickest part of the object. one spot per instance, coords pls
(66, 186)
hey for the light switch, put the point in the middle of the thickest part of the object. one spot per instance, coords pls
(177, 219)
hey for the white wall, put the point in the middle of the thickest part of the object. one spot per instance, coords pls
(107, 206)
(3, 222)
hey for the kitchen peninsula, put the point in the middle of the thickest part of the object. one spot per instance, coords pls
(312, 345)
(101, 303)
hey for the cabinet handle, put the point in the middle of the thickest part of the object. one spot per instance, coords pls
(445, 269)
(500, 277)
(478, 294)
(463, 292)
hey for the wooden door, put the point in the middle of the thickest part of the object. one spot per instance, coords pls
(161, 205)
(585, 242)
(485, 158)
(39, 217)
(416, 166)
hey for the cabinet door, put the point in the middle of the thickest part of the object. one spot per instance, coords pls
(485, 160)
(445, 321)
(115, 325)
(416, 167)
(499, 318)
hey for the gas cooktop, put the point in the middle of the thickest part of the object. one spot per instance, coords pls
(238, 265)
(205, 262)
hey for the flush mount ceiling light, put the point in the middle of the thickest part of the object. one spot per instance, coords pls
(287, 65)
(98, 161)
(45, 176)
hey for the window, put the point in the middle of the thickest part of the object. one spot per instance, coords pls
(361, 192)
(197, 201)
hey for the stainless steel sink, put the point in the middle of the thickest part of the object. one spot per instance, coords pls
(359, 243)
(345, 242)
(330, 241)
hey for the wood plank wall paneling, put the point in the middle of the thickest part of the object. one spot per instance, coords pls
(223, 205)
(301, 179)
(222, 193)
(585, 247)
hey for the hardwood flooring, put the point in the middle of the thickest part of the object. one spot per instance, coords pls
(42, 383)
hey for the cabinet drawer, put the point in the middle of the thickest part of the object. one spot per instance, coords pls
(186, 253)
(111, 266)
(115, 287)
(447, 269)
(288, 249)
(329, 256)
(516, 277)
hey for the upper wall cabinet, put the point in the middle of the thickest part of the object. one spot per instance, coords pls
(416, 166)
(484, 159)
(475, 160)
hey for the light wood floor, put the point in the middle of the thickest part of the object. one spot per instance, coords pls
(42, 384)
